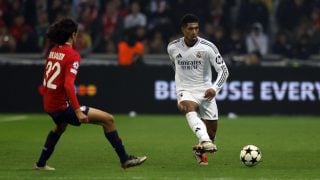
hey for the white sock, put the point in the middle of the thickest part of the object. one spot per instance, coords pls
(197, 126)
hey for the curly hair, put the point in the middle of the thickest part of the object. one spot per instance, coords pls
(60, 31)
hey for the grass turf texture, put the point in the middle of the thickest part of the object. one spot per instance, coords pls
(290, 148)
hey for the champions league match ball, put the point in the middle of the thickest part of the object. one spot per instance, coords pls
(250, 155)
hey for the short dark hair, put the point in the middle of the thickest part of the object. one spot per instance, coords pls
(188, 18)
(60, 31)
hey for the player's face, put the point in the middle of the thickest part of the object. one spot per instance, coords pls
(190, 32)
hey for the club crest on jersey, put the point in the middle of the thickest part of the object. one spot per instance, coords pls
(198, 55)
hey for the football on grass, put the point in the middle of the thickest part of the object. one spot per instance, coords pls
(250, 155)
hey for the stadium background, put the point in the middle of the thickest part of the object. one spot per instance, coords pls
(280, 77)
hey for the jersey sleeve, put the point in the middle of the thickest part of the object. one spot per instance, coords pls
(170, 53)
(169, 50)
(220, 67)
(71, 72)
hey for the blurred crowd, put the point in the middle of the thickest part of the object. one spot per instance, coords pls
(252, 28)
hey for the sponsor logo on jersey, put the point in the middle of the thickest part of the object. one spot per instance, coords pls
(188, 65)
(178, 56)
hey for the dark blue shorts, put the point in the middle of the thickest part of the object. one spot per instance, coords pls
(68, 116)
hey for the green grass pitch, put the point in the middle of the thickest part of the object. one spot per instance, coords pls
(290, 148)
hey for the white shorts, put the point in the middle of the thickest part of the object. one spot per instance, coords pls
(208, 110)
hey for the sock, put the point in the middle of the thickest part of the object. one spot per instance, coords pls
(197, 126)
(116, 143)
(48, 148)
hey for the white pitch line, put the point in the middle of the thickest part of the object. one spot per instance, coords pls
(13, 118)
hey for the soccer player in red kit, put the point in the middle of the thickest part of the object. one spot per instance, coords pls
(60, 100)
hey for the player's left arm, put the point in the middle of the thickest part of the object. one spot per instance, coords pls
(70, 77)
(221, 68)
(69, 81)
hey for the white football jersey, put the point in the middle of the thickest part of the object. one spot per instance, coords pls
(193, 65)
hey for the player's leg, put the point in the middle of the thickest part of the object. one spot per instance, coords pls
(49, 146)
(209, 114)
(212, 126)
(195, 123)
(107, 121)
(198, 127)
(207, 110)
(188, 103)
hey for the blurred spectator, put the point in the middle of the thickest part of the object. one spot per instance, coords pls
(122, 7)
(140, 33)
(181, 7)
(87, 13)
(157, 13)
(221, 13)
(3, 11)
(256, 43)
(79, 6)
(305, 27)
(290, 13)
(282, 45)
(135, 17)
(110, 48)
(207, 32)
(307, 42)
(14, 8)
(159, 19)
(54, 8)
(7, 42)
(130, 50)
(236, 43)
(24, 35)
(58, 9)
(3, 7)
(315, 17)
(303, 48)
(252, 11)
(41, 28)
(216, 13)
(257, 40)
(112, 26)
(220, 40)
(84, 41)
(31, 9)
(156, 44)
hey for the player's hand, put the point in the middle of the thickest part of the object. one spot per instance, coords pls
(81, 116)
(210, 94)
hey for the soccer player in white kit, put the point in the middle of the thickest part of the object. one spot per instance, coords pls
(193, 58)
